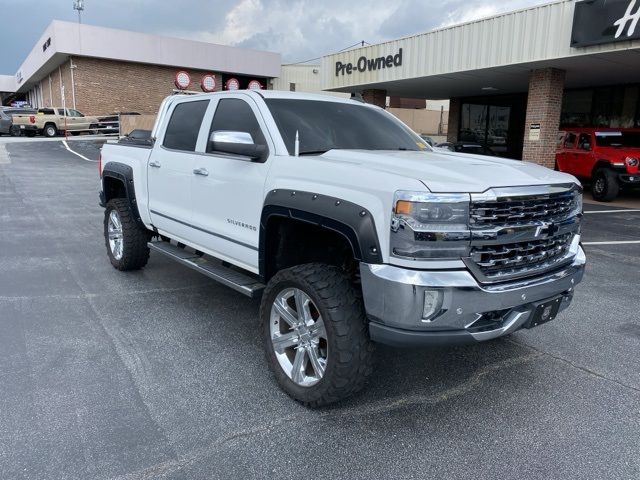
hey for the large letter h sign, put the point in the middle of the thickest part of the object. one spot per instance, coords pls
(631, 18)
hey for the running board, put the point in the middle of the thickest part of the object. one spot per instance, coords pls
(240, 282)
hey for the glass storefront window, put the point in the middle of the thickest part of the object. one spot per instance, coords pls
(485, 124)
(607, 107)
(473, 123)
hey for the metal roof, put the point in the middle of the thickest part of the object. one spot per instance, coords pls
(496, 52)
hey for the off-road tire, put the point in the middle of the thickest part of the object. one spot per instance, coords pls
(135, 252)
(604, 187)
(350, 357)
(49, 130)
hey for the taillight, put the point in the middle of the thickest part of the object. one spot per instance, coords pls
(32, 119)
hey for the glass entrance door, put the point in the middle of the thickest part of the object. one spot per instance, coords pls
(487, 125)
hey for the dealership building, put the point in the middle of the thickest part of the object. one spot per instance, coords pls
(100, 70)
(513, 80)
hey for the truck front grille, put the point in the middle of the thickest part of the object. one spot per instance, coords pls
(515, 211)
(521, 232)
(498, 262)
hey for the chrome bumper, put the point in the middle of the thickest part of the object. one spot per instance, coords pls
(394, 301)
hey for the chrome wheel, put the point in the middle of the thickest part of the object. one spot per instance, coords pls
(114, 230)
(299, 337)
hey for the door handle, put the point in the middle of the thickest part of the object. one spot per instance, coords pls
(154, 164)
(201, 171)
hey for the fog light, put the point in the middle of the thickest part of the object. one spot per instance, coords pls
(432, 304)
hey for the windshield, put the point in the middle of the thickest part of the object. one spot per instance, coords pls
(618, 139)
(323, 126)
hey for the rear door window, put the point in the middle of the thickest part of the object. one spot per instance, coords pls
(184, 125)
(584, 141)
(570, 140)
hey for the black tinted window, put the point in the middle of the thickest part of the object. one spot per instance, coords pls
(235, 115)
(322, 126)
(184, 125)
(618, 139)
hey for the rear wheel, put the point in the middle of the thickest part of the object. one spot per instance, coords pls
(50, 130)
(126, 241)
(14, 131)
(605, 185)
(315, 334)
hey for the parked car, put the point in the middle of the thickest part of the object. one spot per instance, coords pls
(111, 123)
(428, 139)
(607, 158)
(53, 121)
(350, 231)
(6, 119)
(467, 147)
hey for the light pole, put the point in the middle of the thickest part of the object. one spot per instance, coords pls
(79, 6)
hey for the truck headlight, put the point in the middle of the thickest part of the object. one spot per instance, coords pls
(430, 226)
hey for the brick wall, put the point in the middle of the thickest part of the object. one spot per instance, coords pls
(375, 96)
(544, 105)
(454, 120)
(51, 87)
(105, 86)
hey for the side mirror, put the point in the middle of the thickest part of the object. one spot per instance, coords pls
(236, 143)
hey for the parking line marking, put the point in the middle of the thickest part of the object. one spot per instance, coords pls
(621, 242)
(64, 142)
(622, 210)
(4, 155)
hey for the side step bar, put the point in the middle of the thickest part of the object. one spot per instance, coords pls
(240, 282)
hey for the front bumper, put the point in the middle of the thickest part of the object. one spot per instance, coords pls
(630, 179)
(470, 312)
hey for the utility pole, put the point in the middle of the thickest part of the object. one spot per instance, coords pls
(79, 6)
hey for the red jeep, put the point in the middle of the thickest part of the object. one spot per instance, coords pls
(607, 158)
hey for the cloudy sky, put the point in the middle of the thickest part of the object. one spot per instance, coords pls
(299, 29)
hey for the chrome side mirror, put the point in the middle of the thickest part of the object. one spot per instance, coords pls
(236, 143)
(227, 136)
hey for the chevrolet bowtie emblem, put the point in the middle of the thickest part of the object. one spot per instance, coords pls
(548, 229)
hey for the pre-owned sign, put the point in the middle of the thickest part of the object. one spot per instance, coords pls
(605, 21)
(365, 64)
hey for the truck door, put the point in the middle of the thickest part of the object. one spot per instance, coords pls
(170, 169)
(228, 189)
(77, 120)
(583, 156)
(569, 150)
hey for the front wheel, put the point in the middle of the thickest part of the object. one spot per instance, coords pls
(126, 241)
(605, 185)
(15, 131)
(315, 334)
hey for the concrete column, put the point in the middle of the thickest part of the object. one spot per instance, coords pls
(375, 96)
(453, 125)
(544, 105)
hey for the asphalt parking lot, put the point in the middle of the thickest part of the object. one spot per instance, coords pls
(160, 373)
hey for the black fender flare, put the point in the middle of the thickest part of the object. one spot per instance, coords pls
(354, 222)
(124, 174)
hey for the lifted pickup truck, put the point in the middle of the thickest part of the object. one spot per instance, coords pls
(346, 223)
(607, 158)
(53, 121)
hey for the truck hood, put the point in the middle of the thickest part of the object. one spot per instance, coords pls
(446, 172)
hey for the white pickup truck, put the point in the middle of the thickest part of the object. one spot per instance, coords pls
(347, 224)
